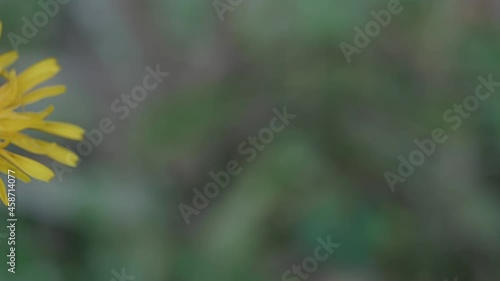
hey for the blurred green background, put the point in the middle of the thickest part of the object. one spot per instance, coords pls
(322, 176)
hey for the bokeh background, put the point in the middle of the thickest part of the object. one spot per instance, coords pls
(322, 176)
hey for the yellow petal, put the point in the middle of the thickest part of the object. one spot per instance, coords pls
(3, 194)
(11, 121)
(9, 91)
(13, 125)
(36, 115)
(8, 59)
(36, 74)
(31, 167)
(6, 166)
(65, 130)
(63, 155)
(42, 93)
(10, 114)
(52, 150)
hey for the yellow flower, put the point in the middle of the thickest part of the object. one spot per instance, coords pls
(16, 92)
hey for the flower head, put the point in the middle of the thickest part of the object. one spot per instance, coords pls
(17, 91)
